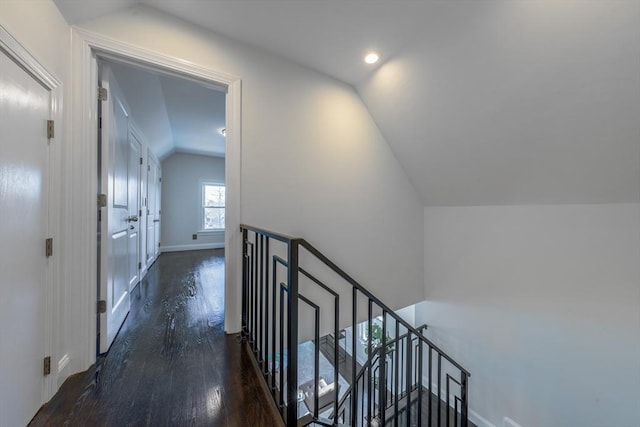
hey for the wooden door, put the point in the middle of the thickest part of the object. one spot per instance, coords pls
(25, 106)
(115, 258)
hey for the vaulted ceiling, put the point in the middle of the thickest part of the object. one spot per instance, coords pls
(482, 102)
(175, 115)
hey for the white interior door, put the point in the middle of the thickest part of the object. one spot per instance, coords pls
(24, 157)
(135, 163)
(153, 210)
(158, 216)
(115, 258)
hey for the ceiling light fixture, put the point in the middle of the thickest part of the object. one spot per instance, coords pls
(371, 58)
(223, 131)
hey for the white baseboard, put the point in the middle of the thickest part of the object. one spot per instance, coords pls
(62, 363)
(508, 422)
(474, 417)
(197, 247)
(478, 420)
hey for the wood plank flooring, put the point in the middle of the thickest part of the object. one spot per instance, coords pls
(171, 363)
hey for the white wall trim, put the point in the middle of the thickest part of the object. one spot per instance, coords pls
(479, 420)
(54, 189)
(196, 247)
(474, 417)
(86, 46)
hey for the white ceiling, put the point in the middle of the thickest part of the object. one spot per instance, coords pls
(176, 115)
(483, 102)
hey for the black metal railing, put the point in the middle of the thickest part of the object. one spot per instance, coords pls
(389, 373)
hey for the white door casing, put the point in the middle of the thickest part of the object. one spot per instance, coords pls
(87, 45)
(115, 259)
(25, 107)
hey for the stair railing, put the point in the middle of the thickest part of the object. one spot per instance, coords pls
(271, 306)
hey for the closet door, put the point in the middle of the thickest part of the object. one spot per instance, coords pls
(153, 210)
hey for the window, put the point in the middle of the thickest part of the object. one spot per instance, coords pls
(213, 205)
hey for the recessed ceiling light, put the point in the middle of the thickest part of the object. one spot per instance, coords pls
(223, 131)
(371, 58)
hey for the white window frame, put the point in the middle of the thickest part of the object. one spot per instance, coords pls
(202, 207)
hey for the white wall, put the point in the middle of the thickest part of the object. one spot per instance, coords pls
(542, 305)
(314, 164)
(182, 175)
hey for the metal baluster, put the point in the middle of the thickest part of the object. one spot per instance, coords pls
(419, 382)
(382, 382)
(463, 397)
(447, 398)
(408, 379)
(439, 387)
(370, 355)
(292, 333)
(244, 281)
(273, 328)
(336, 353)
(281, 391)
(430, 385)
(397, 360)
(261, 305)
(354, 333)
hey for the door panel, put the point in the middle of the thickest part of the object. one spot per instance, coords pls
(24, 109)
(135, 148)
(156, 234)
(115, 254)
(153, 210)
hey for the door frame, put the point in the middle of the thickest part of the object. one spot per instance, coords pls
(87, 46)
(52, 290)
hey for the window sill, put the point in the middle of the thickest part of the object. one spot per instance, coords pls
(214, 231)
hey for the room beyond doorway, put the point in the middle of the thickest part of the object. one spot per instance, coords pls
(168, 116)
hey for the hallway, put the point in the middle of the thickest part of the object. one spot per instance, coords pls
(171, 363)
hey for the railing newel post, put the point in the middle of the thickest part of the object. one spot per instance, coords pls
(245, 325)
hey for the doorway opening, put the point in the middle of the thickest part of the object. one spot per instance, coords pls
(161, 172)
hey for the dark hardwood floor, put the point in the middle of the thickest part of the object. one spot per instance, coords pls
(171, 363)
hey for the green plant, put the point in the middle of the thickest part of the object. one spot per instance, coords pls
(376, 340)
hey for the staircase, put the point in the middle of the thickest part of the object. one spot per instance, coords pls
(332, 353)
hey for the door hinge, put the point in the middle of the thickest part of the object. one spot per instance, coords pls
(140, 213)
(102, 306)
(48, 247)
(50, 129)
(103, 94)
(139, 266)
(140, 160)
(102, 200)
(47, 365)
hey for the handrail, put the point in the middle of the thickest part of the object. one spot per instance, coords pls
(382, 305)
(272, 234)
(322, 257)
